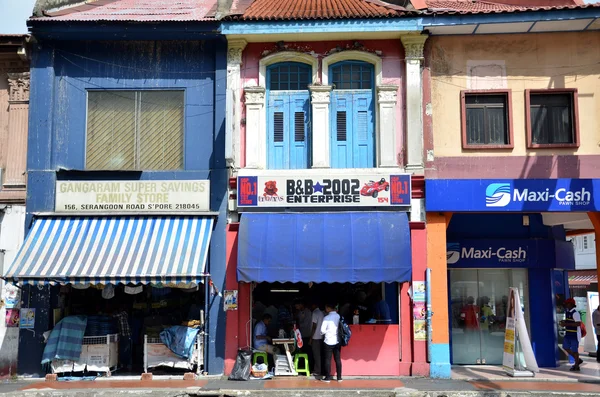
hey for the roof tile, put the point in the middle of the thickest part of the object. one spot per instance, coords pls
(135, 10)
(500, 6)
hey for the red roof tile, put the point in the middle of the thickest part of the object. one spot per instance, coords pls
(134, 11)
(316, 9)
(499, 6)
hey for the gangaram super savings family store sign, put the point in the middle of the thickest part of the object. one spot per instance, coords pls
(324, 191)
(133, 196)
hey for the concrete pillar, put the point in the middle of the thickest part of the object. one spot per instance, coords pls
(387, 98)
(256, 144)
(413, 49)
(320, 99)
(233, 104)
(18, 107)
(436, 261)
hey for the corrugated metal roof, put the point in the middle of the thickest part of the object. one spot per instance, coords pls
(134, 11)
(261, 10)
(583, 277)
(485, 7)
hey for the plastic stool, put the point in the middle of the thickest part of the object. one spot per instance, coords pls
(256, 355)
(305, 369)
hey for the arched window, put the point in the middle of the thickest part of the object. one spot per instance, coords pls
(352, 116)
(288, 115)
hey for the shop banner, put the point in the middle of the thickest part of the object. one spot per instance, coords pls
(516, 329)
(133, 196)
(325, 190)
(510, 253)
(531, 195)
(590, 341)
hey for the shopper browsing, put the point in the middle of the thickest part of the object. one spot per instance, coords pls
(331, 346)
(572, 324)
(316, 340)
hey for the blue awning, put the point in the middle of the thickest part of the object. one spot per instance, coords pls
(112, 250)
(324, 247)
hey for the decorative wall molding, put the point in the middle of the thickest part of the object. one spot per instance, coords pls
(18, 87)
(286, 56)
(254, 95)
(413, 46)
(387, 93)
(320, 93)
(351, 55)
(235, 51)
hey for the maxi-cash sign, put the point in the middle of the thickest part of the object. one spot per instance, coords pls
(133, 196)
(324, 191)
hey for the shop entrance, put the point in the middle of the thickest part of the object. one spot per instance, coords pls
(478, 304)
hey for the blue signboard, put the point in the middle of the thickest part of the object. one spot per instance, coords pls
(529, 195)
(510, 254)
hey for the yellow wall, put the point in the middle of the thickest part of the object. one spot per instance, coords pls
(546, 60)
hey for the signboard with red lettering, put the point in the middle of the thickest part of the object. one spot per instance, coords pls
(324, 191)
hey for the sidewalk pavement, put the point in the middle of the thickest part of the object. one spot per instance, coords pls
(473, 381)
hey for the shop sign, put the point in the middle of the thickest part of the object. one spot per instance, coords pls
(495, 195)
(324, 191)
(133, 196)
(509, 253)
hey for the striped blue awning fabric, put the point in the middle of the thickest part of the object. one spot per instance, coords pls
(113, 250)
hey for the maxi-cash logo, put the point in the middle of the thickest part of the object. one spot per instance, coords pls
(497, 195)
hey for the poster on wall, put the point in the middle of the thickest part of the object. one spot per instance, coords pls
(133, 196)
(12, 318)
(590, 340)
(231, 300)
(326, 190)
(12, 296)
(516, 330)
(27, 319)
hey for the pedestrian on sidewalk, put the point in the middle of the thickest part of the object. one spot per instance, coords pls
(596, 321)
(316, 340)
(331, 345)
(572, 324)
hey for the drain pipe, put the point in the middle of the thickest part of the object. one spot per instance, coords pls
(429, 312)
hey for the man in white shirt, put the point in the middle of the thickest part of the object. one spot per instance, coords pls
(596, 321)
(572, 324)
(331, 345)
(316, 338)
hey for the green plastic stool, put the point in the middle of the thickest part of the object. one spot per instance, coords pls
(256, 355)
(305, 369)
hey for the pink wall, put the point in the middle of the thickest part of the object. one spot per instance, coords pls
(390, 51)
(418, 234)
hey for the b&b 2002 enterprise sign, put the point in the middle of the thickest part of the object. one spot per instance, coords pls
(324, 191)
(133, 196)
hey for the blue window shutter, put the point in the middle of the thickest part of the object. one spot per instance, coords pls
(341, 130)
(278, 134)
(363, 142)
(299, 142)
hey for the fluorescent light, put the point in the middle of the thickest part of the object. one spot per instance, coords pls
(285, 290)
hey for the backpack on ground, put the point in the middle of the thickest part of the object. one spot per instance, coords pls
(344, 332)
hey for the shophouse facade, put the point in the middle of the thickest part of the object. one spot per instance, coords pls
(14, 105)
(512, 166)
(126, 165)
(326, 156)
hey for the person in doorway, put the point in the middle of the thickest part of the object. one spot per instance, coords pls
(304, 321)
(331, 345)
(596, 321)
(122, 318)
(487, 314)
(261, 337)
(316, 340)
(572, 324)
(470, 315)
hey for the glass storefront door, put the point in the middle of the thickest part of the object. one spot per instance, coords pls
(478, 305)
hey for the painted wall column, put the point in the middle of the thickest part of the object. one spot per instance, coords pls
(387, 98)
(255, 117)
(233, 105)
(436, 261)
(413, 49)
(18, 112)
(320, 99)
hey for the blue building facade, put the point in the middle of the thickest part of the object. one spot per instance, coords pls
(182, 71)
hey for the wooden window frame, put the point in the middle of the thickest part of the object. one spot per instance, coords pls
(575, 115)
(509, 121)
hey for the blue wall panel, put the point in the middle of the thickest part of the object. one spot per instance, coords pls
(542, 317)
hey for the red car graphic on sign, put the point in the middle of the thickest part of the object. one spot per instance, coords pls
(373, 188)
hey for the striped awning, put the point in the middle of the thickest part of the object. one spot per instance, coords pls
(112, 250)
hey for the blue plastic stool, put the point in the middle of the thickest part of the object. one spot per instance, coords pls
(305, 369)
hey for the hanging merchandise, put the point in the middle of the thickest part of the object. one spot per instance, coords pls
(81, 286)
(298, 336)
(108, 292)
(12, 296)
(134, 290)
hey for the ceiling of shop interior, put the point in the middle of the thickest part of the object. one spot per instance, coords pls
(571, 221)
